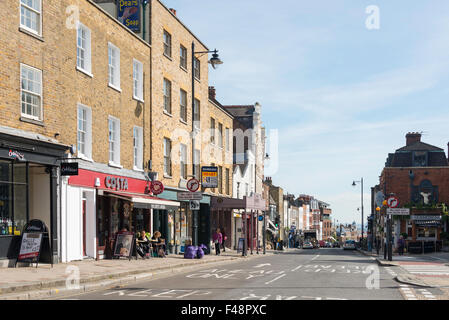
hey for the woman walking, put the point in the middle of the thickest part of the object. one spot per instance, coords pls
(217, 237)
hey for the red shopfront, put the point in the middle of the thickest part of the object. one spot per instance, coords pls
(121, 203)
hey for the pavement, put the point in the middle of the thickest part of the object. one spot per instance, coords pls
(25, 283)
(423, 270)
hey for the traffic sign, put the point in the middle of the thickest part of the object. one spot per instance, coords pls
(398, 211)
(190, 196)
(194, 204)
(392, 202)
(193, 185)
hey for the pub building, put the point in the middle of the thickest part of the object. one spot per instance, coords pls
(101, 201)
(29, 167)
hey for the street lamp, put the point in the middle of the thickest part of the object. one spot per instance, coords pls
(354, 183)
(375, 229)
(214, 61)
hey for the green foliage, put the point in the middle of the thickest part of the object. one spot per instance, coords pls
(404, 235)
(444, 236)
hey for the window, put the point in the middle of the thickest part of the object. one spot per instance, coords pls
(227, 139)
(220, 135)
(167, 157)
(183, 105)
(419, 158)
(138, 80)
(196, 113)
(183, 162)
(31, 15)
(167, 44)
(196, 68)
(114, 141)
(31, 92)
(196, 162)
(220, 179)
(114, 66)
(227, 181)
(167, 96)
(83, 57)
(84, 131)
(212, 130)
(138, 148)
(183, 57)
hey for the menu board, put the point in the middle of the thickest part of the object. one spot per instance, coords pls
(30, 247)
(123, 244)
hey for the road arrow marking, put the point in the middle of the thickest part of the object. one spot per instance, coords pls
(263, 264)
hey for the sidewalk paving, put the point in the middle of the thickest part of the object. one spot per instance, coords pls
(422, 280)
(45, 281)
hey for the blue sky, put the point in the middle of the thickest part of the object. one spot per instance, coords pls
(341, 96)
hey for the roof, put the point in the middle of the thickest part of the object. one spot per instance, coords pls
(240, 110)
(419, 146)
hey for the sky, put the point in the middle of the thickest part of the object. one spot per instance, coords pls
(339, 95)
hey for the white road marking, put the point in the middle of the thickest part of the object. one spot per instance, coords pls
(297, 267)
(263, 264)
(315, 257)
(282, 275)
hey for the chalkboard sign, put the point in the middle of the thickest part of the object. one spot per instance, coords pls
(240, 245)
(30, 247)
(124, 244)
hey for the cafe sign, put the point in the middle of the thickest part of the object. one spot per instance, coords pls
(116, 183)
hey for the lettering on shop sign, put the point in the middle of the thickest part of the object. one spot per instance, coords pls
(16, 155)
(116, 183)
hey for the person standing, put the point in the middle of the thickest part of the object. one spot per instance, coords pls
(217, 237)
(223, 234)
(401, 244)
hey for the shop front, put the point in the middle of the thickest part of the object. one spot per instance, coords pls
(29, 168)
(99, 205)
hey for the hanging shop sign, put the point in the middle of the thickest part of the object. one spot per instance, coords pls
(209, 177)
(69, 169)
(157, 187)
(116, 183)
(128, 13)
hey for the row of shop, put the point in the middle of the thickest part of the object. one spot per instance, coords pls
(85, 212)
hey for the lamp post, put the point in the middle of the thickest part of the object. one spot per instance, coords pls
(213, 61)
(375, 229)
(354, 183)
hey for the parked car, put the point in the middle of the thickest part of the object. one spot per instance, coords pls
(349, 245)
(328, 244)
(322, 243)
(335, 244)
(307, 245)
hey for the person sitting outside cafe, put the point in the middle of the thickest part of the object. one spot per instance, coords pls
(158, 244)
(144, 243)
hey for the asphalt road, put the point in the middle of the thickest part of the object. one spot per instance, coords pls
(300, 274)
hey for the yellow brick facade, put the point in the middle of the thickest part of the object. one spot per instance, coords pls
(63, 86)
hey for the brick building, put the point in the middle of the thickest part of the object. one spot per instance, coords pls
(418, 176)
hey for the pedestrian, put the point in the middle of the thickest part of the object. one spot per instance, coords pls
(401, 244)
(223, 234)
(217, 237)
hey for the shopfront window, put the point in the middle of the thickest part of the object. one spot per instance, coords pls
(13, 197)
(426, 232)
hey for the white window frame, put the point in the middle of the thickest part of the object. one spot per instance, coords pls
(116, 142)
(169, 96)
(220, 135)
(167, 45)
(138, 80)
(115, 67)
(183, 105)
(182, 62)
(197, 163)
(197, 114)
(87, 155)
(33, 93)
(183, 161)
(212, 131)
(138, 148)
(32, 10)
(87, 69)
(197, 68)
(227, 139)
(167, 155)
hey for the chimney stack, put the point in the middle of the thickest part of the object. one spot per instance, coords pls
(173, 11)
(412, 137)
(211, 93)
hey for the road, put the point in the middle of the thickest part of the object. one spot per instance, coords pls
(299, 274)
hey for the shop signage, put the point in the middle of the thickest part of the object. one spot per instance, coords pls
(124, 244)
(128, 13)
(398, 211)
(157, 187)
(69, 169)
(189, 196)
(16, 155)
(209, 177)
(30, 247)
(423, 217)
(193, 185)
(35, 243)
(116, 183)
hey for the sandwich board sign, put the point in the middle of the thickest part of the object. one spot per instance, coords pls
(35, 244)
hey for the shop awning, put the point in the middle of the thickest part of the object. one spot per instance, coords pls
(145, 202)
(428, 223)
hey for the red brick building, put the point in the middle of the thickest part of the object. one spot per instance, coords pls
(418, 176)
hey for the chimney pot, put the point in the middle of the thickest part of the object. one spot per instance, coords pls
(173, 11)
(412, 137)
(212, 93)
